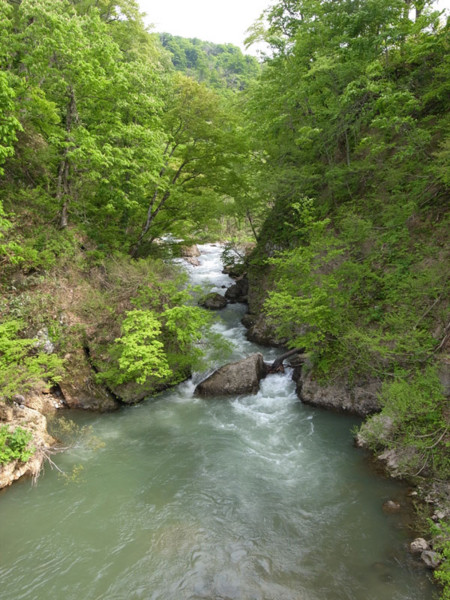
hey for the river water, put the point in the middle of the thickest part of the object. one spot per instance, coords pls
(248, 498)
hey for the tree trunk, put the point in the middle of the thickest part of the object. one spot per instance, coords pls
(151, 214)
(249, 217)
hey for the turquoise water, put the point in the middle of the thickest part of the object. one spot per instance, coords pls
(248, 498)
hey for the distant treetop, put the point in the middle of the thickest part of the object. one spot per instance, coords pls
(220, 66)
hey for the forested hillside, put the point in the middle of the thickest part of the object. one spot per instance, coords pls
(220, 66)
(104, 149)
(352, 118)
(333, 155)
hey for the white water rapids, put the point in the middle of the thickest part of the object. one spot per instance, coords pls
(248, 498)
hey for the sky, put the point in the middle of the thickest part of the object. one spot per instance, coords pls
(219, 21)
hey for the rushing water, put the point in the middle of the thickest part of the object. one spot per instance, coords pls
(251, 498)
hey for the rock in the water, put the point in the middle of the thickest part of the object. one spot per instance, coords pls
(360, 398)
(214, 301)
(237, 378)
(391, 507)
(418, 546)
(235, 270)
(431, 559)
(248, 320)
(192, 261)
(189, 251)
(238, 292)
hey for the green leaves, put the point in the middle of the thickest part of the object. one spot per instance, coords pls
(156, 345)
(141, 353)
(22, 364)
(9, 124)
(15, 445)
(220, 66)
(307, 306)
(416, 404)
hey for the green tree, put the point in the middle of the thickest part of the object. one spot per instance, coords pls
(199, 152)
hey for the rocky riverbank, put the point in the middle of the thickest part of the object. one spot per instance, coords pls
(19, 415)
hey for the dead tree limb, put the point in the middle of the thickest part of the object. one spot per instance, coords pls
(278, 362)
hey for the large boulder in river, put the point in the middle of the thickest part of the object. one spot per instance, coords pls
(214, 301)
(237, 378)
(189, 251)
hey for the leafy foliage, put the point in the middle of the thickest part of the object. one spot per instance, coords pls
(220, 66)
(140, 352)
(417, 407)
(21, 363)
(349, 125)
(441, 534)
(15, 445)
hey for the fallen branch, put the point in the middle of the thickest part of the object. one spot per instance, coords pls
(278, 362)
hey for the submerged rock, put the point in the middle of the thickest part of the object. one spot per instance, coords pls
(237, 378)
(391, 507)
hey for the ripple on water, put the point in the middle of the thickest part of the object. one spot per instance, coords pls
(251, 498)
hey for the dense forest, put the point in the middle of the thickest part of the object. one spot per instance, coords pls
(332, 156)
(220, 66)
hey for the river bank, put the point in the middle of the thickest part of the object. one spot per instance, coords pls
(286, 439)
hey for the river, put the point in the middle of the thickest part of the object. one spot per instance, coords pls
(248, 498)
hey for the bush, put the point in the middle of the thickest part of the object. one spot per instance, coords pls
(441, 532)
(14, 445)
(416, 405)
(21, 364)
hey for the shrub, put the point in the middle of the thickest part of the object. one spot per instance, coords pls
(14, 445)
(416, 405)
(21, 364)
(441, 532)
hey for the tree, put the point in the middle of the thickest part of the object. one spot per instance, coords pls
(199, 151)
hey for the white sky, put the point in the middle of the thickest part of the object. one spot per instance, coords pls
(219, 21)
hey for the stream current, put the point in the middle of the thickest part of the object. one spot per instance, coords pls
(249, 498)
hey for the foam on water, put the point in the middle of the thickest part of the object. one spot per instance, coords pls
(249, 498)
